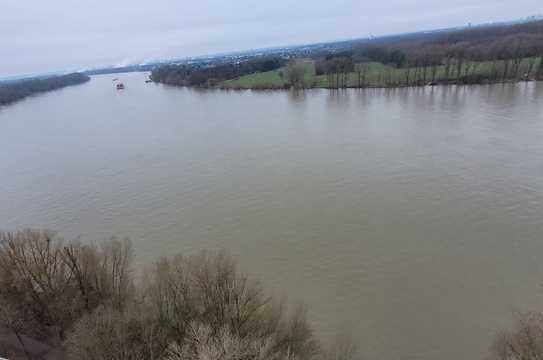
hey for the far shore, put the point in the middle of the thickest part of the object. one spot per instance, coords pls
(374, 75)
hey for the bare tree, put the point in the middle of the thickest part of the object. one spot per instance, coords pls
(14, 319)
(58, 283)
(198, 306)
(525, 342)
(39, 276)
(407, 75)
(108, 333)
(296, 73)
(539, 72)
(193, 308)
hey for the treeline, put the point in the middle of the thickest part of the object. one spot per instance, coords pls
(83, 300)
(484, 43)
(14, 91)
(471, 56)
(479, 55)
(196, 75)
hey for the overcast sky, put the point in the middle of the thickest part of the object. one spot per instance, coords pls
(38, 36)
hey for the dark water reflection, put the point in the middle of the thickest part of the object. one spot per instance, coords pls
(413, 216)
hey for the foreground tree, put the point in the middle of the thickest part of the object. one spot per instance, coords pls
(199, 307)
(194, 308)
(55, 283)
(525, 342)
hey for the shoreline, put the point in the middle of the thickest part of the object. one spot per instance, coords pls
(18, 91)
(292, 88)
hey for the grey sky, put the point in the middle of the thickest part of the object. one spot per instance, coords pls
(38, 36)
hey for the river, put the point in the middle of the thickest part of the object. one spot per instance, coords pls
(411, 217)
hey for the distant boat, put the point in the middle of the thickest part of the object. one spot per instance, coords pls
(120, 86)
(148, 81)
(115, 79)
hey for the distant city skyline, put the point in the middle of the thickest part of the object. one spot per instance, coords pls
(60, 35)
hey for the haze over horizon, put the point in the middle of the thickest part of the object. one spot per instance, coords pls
(66, 35)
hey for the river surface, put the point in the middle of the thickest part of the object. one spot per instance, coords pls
(412, 217)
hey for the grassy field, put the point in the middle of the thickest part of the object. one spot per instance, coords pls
(278, 78)
(378, 75)
(269, 79)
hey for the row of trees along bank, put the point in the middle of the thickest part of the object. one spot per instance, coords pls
(482, 55)
(196, 75)
(13, 91)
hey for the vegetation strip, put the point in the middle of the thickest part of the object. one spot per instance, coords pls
(11, 92)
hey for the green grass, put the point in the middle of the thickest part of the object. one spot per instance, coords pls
(377, 75)
(271, 78)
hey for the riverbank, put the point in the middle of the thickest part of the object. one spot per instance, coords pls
(19, 90)
(377, 75)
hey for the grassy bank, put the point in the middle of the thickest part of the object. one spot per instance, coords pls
(374, 74)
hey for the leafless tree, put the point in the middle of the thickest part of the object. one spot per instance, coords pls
(296, 73)
(58, 283)
(200, 306)
(525, 342)
(539, 72)
(192, 308)
(13, 318)
(112, 334)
